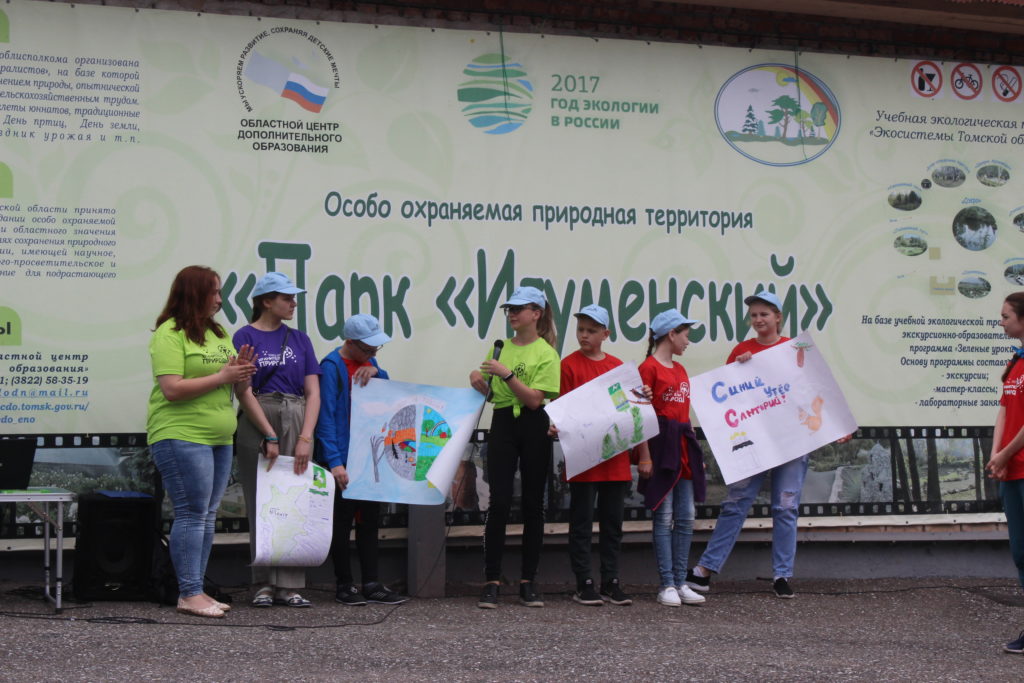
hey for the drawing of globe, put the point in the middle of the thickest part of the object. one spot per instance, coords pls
(411, 448)
(777, 115)
(498, 96)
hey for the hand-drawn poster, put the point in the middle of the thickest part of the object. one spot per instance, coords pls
(778, 406)
(294, 514)
(607, 415)
(400, 433)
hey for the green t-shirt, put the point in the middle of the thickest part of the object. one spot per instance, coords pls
(536, 365)
(208, 419)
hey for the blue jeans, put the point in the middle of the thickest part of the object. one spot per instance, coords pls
(787, 483)
(673, 530)
(1012, 493)
(194, 476)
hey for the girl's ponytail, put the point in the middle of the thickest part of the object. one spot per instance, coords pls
(546, 326)
(651, 344)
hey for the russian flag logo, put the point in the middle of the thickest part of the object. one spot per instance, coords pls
(304, 93)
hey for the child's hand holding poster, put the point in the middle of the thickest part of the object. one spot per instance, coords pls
(604, 417)
(778, 406)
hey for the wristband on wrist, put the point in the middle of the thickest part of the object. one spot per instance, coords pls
(270, 439)
(305, 438)
(645, 462)
(507, 377)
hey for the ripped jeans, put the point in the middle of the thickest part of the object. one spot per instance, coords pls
(787, 482)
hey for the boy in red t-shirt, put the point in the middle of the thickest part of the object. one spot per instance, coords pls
(608, 482)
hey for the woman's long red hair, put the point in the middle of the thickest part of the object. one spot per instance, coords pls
(189, 303)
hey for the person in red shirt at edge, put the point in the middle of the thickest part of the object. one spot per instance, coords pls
(607, 483)
(765, 312)
(1006, 462)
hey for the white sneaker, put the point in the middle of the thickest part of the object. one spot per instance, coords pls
(689, 597)
(669, 596)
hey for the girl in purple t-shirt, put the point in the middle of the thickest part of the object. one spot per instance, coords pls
(280, 406)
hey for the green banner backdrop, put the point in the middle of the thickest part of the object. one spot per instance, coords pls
(419, 175)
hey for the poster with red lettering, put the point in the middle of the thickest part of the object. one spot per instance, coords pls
(778, 406)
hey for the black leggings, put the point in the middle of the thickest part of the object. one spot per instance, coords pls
(516, 442)
(366, 514)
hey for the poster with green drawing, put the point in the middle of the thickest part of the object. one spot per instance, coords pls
(602, 418)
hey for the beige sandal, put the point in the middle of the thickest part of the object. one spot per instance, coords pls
(210, 611)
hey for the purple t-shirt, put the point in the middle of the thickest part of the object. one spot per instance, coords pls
(299, 359)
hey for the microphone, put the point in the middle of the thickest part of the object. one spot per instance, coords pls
(499, 344)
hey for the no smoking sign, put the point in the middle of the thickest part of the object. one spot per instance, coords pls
(1006, 83)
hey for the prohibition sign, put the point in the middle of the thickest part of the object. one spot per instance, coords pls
(1006, 83)
(926, 78)
(966, 81)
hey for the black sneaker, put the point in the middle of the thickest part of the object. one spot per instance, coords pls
(612, 592)
(347, 594)
(1016, 646)
(528, 596)
(782, 589)
(701, 584)
(377, 592)
(489, 598)
(586, 595)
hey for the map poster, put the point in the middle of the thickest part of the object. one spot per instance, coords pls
(602, 418)
(781, 404)
(294, 514)
(406, 440)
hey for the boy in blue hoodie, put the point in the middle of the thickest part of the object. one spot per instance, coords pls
(353, 361)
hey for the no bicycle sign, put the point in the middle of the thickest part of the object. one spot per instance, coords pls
(966, 81)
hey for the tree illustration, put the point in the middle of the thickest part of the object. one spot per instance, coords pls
(786, 109)
(750, 122)
(803, 120)
(819, 112)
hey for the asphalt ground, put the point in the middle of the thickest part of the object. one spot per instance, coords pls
(863, 630)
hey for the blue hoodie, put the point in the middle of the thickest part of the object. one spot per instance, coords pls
(332, 427)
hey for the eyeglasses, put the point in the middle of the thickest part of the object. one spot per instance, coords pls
(366, 348)
(516, 310)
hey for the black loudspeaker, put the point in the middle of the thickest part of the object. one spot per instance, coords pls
(114, 548)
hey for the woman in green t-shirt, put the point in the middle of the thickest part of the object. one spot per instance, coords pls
(191, 423)
(527, 374)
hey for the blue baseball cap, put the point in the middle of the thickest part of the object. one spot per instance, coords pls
(275, 282)
(526, 295)
(764, 296)
(365, 328)
(666, 321)
(596, 313)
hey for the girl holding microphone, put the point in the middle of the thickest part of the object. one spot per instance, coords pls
(526, 375)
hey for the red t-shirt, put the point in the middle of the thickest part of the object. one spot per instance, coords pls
(1013, 401)
(577, 370)
(753, 346)
(671, 387)
(352, 366)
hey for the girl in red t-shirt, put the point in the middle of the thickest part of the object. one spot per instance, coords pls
(665, 461)
(1006, 462)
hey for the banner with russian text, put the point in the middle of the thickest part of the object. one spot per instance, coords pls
(420, 175)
